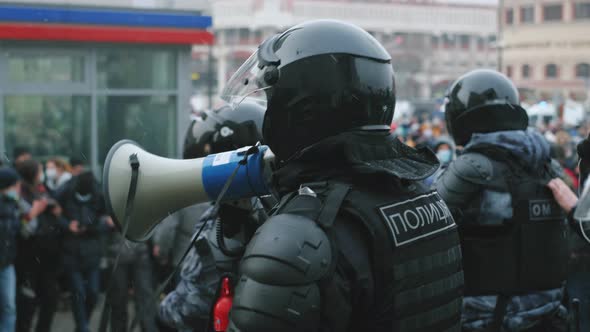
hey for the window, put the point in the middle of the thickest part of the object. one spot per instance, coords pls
(582, 11)
(148, 120)
(552, 12)
(527, 14)
(434, 40)
(40, 68)
(480, 43)
(244, 35)
(509, 16)
(62, 124)
(583, 70)
(448, 40)
(464, 41)
(526, 71)
(551, 71)
(509, 71)
(136, 69)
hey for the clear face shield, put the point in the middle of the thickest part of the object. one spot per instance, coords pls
(247, 82)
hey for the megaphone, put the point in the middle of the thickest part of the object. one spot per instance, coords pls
(165, 185)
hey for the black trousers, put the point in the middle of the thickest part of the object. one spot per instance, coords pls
(43, 279)
(139, 274)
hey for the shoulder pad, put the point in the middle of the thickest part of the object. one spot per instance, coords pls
(473, 167)
(287, 250)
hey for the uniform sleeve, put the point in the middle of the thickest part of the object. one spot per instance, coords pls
(463, 180)
(187, 307)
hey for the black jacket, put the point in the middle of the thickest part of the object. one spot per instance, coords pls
(84, 249)
(9, 228)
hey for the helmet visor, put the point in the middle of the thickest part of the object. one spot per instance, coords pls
(247, 82)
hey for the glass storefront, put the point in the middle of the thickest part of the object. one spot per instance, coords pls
(148, 120)
(38, 68)
(136, 69)
(48, 125)
(78, 102)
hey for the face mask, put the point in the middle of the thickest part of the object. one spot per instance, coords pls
(42, 178)
(12, 194)
(51, 173)
(444, 156)
(83, 198)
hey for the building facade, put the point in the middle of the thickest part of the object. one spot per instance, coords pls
(546, 47)
(76, 78)
(431, 42)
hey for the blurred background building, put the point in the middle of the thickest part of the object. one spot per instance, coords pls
(75, 78)
(546, 48)
(431, 42)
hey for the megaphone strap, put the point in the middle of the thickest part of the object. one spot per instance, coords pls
(134, 163)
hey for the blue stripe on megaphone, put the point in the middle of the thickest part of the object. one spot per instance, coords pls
(248, 182)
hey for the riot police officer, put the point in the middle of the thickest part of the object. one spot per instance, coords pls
(357, 243)
(512, 231)
(220, 245)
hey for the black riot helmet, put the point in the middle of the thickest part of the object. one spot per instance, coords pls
(224, 129)
(483, 101)
(318, 79)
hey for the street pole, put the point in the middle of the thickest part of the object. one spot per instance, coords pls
(500, 36)
(210, 78)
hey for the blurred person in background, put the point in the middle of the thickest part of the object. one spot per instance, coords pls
(134, 269)
(39, 253)
(76, 166)
(57, 173)
(86, 223)
(10, 225)
(564, 139)
(445, 152)
(558, 152)
(29, 254)
(21, 153)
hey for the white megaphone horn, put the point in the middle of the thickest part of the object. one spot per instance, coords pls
(164, 185)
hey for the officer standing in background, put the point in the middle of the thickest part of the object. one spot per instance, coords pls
(513, 234)
(187, 308)
(357, 242)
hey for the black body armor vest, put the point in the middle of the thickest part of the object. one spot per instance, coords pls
(527, 252)
(414, 249)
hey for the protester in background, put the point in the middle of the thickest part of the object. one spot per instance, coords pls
(39, 253)
(445, 152)
(558, 152)
(77, 166)
(135, 270)
(9, 228)
(21, 153)
(82, 250)
(28, 262)
(56, 173)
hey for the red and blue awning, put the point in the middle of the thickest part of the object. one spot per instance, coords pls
(103, 25)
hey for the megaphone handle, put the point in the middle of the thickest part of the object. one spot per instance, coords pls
(134, 163)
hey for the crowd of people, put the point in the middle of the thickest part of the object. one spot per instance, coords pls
(58, 239)
(57, 234)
